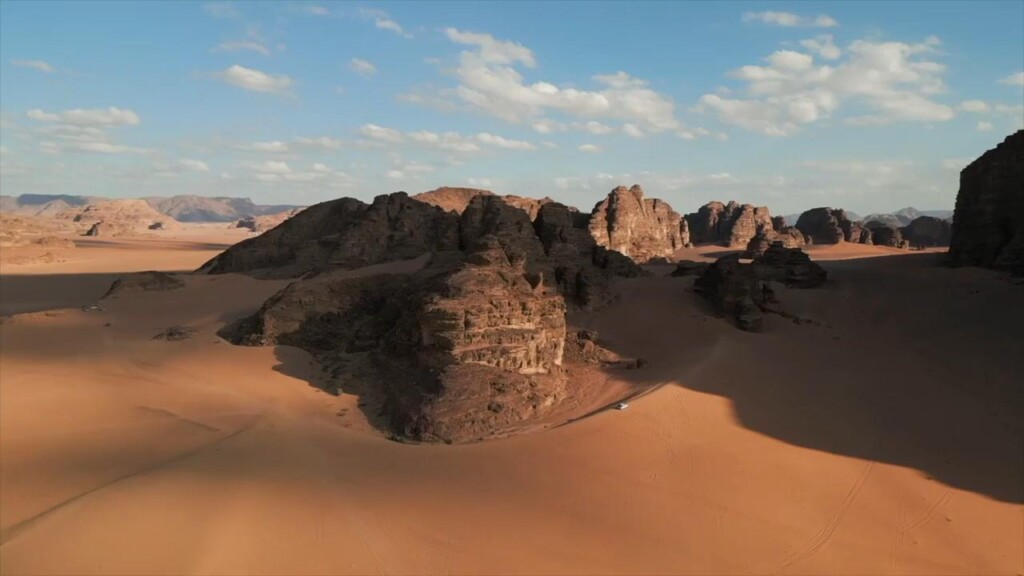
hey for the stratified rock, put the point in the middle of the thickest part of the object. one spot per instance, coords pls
(640, 228)
(927, 231)
(988, 223)
(343, 233)
(790, 266)
(735, 291)
(731, 224)
(461, 350)
(830, 226)
(144, 281)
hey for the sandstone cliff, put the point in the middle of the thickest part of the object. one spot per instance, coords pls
(988, 223)
(731, 224)
(640, 228)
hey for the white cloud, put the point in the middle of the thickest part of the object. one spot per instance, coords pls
(242, 45)
(984, 126)
(99, 147)
(481, 182)
(395, 174)
(504, 142)
(380, 133)
(789, 20)
(594, 127)
(93, 117)
(362, 67)
(822, 46)
(270, 167)
(632, 131)
(488, 80)
(324, 142)
(194, 165)
(1013, 79)
(589, 148)
(383, 21)
(887, 82)
(451, 141)
(274, 146)
(255, 80)
(39, 65)
(546, 126)
(976, 106)
(222, 10)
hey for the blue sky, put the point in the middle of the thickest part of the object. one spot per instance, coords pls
(869, 106)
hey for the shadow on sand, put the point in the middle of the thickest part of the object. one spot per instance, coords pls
(916, 365)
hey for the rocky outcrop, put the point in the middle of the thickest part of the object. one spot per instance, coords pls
(343, 233)
(788, 235)
(831, 226)
(144, 282)
(463, 349)
(743, 292)
(640, 228)
(790, 266)
(885, 235)
(927, 231)
(95, 230)
(731, 224)
(457, 199)
(988, 223)
(735, 291)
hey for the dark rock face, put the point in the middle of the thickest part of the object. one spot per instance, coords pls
(689, 268)
(828, 226)
(144, 281)
(731, 224)
(988, 224)
(95, 230)
(885, 235)
(640, 228)
(735, 291)
(790, 266)
(927, 231)
(345, 233)
(788, 235)
(743, 292)
(464, 348)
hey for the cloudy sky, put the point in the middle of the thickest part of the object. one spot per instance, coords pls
(869, 106)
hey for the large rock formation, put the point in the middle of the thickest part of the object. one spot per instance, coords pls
(640, 228)
(464, 349)
(345, 233)
(743, 292)
(457, 199)
(731, 224)
(883, 234)
(831, 226)
(988, 224)
(789, 236)
(144, 282)
(926, 231)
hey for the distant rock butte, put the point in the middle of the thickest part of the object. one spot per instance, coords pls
(927, 231)
(988, 224)
(640, 228)
(731, 224)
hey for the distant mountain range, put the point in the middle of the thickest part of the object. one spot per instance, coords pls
(184, 208)
(901, 217)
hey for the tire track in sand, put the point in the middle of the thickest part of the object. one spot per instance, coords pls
(919, 521)
(825, 534)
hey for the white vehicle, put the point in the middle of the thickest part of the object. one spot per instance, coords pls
(621, 406)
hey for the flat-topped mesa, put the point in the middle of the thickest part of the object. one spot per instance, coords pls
(640, 228)
(731, 224)
(988, 223)
(831, 226)
(345, 233)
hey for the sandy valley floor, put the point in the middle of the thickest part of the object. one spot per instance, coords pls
(886, 437)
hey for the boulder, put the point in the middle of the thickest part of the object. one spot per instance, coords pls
(640, 228)
(735, 291)
(790, 266)
(144, 282)
(828, 226)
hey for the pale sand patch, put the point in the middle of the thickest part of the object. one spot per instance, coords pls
(886, 441)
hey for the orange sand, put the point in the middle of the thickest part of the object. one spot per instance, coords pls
(887, 440)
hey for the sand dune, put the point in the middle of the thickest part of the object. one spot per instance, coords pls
(863, 444)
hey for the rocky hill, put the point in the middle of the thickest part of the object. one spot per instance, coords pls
(191, 208)
(988, 224)
(116, 218)
(637, 227)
